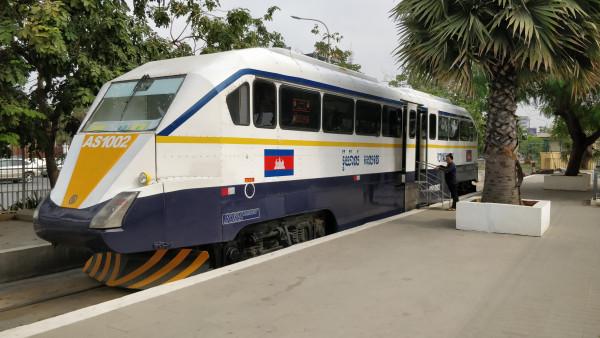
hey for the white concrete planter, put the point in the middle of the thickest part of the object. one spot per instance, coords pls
(582, 182)
(503, 218)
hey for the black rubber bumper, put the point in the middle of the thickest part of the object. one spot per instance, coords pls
(69, 227)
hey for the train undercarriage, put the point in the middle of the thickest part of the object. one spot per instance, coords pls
(145, 270)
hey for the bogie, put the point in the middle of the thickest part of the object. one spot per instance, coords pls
(262, 238)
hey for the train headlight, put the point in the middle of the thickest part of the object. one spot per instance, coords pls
(144, 178)
(111, 215)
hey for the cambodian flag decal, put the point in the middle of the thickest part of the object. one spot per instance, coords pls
(279, 162)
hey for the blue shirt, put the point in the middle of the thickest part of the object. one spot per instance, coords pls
(450, 173)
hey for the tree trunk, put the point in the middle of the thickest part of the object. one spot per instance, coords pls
(587, 157)
(500, 184)
(51, 167)
(50, 125)
(575, 157)
(580, 141)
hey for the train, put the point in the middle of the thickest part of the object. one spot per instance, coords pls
(186, 164)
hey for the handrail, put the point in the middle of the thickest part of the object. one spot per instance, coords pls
(429, 165)
(428, 179)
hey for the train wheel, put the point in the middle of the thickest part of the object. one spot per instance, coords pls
(262, 238)
(145, 270)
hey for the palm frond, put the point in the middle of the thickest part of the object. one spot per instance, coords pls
(445, 39)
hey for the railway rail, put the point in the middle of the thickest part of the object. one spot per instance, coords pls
(30, 300)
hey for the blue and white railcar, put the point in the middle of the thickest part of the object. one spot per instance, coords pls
(241, 153)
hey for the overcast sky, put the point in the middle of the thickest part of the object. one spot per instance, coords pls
(366, 26)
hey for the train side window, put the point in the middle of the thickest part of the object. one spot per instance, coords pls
(338, 114)
(443, 128)
(368, 118)
(412, 124)
(238, 103)
(453, 130)
(391, 122)
(264, 114)
(432, 126)
(473, 136)
(465, 130)
(300, 109)
(423, 126)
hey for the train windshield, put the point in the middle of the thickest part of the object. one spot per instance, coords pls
(137, 105)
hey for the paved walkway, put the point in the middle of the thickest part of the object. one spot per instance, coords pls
(413, 277)
(15, 234)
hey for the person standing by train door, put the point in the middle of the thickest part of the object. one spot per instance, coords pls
(450, 178)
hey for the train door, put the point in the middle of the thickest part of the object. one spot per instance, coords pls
(421, 140)
(404, 136)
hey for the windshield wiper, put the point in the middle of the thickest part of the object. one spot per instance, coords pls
(143, 84)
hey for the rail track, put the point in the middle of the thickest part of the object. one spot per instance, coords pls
(30, 300)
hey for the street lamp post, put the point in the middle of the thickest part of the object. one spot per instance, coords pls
(326, 28)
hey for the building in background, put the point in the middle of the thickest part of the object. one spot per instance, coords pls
(524, 122)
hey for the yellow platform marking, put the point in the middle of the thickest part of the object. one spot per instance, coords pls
(195, 265)
(106, 266)
(158, 255)
(300, 143)
(98, 154)
(164, 270)
(96, 265)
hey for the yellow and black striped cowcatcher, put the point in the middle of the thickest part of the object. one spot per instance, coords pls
(145, 270)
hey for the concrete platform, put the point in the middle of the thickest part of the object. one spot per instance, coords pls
(413, 276)
(23, 254)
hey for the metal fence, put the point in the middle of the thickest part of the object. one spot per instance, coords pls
(23, 181)
(596, 182)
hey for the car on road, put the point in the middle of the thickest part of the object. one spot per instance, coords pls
(11, 169)
(59, 165)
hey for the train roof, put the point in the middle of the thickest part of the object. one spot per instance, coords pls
(218, 66)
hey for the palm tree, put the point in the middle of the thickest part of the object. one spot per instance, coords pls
(512, 41)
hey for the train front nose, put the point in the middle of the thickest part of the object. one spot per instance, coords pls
(103, 194)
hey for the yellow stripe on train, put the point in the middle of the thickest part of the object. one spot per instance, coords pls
(300, 143)
(98, 154)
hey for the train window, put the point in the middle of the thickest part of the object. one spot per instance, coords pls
(135, 105)
(443, 129)
(265, 107)
(423, 126)
(412, 123)
(432, 126)
(473, 132)
(300, 109)
(465, 130)
(368, 118)
(453, 130)
(238, 103)
(392, 122)
(338, 114)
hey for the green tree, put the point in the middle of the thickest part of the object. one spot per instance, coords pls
(578, 117)
(67, 50)
(325, 49)
(511, 42)
(15, 110)
(207, 28)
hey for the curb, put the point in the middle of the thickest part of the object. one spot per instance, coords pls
(30, 261)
